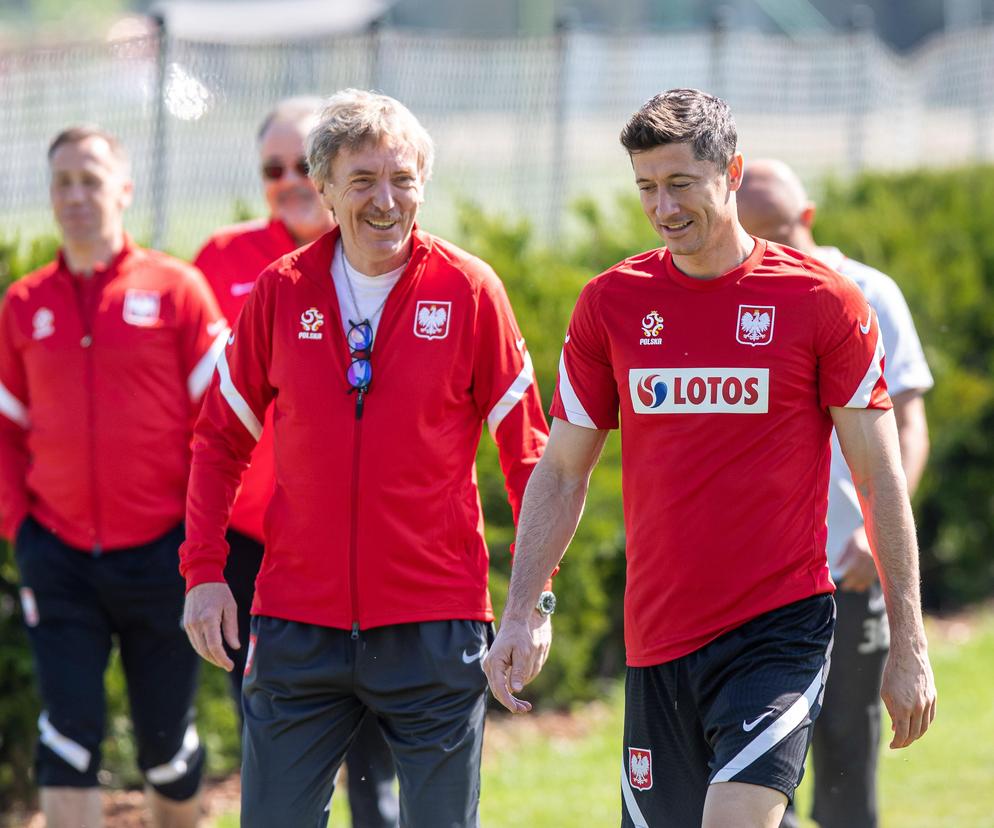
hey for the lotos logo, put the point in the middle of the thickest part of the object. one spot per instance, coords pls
(640, 768)
(699, 390)
(652, 391)
(310, 321)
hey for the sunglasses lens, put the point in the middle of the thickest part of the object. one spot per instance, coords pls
(273, 172)
(360, 373)
(360, 336)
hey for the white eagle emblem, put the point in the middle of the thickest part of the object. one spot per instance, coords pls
(431, 319)
(755, 324)
(640, 768)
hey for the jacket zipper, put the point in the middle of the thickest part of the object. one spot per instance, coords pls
(354, 516)
(86, 343)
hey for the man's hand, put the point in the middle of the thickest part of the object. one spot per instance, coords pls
(860, 568)
(210, 610)
(516, 657)
(908, 692)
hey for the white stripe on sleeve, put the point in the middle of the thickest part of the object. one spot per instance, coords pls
(72, 752)
(511, 397)
(12, 408)
(778, 730)
(179, 766)
(575, 412)
(200, 376)
(861, 398)
(235, 400)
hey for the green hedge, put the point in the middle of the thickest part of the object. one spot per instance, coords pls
(930, 231)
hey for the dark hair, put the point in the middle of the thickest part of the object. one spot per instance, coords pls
(291, 110)
(684, 116)
(76, 134)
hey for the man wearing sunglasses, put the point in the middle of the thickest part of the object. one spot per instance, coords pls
(231, 260)
(384, 350)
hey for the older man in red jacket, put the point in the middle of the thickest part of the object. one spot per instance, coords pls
(383, 350)
(231, 260)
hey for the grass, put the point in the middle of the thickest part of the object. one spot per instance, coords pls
(563, 770)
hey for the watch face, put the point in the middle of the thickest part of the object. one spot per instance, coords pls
(547, 603)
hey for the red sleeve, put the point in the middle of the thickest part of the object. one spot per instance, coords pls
(203, 331)
(586, 392)
(850, 348)
(14, 424)
(506, 392)
(229, 427)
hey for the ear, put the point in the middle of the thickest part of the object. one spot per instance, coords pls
(807, 218)
(736, 167)
(127, 193)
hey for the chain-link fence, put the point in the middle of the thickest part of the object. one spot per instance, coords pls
(522, 125)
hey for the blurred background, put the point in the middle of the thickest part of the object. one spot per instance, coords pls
(885, 109)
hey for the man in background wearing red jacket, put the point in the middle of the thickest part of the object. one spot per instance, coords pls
(383, 350)
(231, 260)
(104, 357)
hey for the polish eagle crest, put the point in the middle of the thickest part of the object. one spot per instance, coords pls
(755, 324)
(640, 768)
(431, 319)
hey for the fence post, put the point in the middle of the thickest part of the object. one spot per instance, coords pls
(721, 23)
(160, 161)
(861, 84)
(374, 68)
(559, 167)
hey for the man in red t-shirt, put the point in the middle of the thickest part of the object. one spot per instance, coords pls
(726, 360)
(231, 259)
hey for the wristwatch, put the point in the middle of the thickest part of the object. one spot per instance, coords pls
(546, 603)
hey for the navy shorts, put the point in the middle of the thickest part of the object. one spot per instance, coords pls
(75, 604)
(739, 709)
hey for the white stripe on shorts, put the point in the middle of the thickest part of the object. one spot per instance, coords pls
(778, 730)
(634, 812)
(71, 752)
(179, 766)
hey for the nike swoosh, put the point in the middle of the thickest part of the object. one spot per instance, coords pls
(865, 329)
(747, 726)
(242, 288)
(566, 340)
(469, 658)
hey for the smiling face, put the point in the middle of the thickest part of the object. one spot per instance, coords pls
(375, 191)
(291, 196)
(690, 204)
(90, 190)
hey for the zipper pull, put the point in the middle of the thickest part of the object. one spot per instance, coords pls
(360, 401)
(355, 631)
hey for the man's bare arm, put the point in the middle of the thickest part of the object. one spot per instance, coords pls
(870, 444)
(912, 432)
(550, 512)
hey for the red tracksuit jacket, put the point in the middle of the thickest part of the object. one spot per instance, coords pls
(375, 519)
(100, 382)
(231, 260)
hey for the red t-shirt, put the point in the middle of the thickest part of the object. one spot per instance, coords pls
(231, 260)
(723, 387)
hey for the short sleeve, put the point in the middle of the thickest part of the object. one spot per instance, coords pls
(586, 391)
(849, 347)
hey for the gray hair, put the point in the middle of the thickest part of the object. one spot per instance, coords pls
(684, 116)
(354, 118)
(298, 110)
